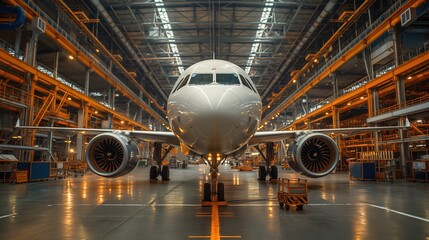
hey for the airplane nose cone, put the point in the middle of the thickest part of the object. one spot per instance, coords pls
(216, 113)
(217, 101)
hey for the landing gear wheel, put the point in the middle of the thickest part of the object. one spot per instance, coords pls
(274, 173)
(165, 174)
(299, 207)
(207, 192)
(220, 192)
(281, 204)
(153, 172)
(262, 173)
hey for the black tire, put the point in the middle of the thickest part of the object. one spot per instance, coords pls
(262, 173)
(281, 204)
(165, 174)
(153, 172)
(299, 207)
(207, 192)
(220, 192)
(274, 173)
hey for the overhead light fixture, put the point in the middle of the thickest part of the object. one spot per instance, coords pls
(409, 77)
(96, 112)
(362, 97)
(294, 81)
(71, 57)
(69, 98)
(163, 15)
(262, 26)
(348, 104)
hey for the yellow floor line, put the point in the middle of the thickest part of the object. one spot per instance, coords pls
(215, 228)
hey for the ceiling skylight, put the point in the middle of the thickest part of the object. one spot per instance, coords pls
(266, 13)
(163, 15)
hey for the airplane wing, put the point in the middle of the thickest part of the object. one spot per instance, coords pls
(151, 136)
(276, 136)
(271, 136)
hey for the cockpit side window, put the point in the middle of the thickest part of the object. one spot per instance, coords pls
(182, 83)
(246, 83)
(227, 78)
(201, 79)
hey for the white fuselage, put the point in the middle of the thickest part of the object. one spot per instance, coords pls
(214, 108)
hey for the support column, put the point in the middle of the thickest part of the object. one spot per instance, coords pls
(82, 120)
(336, 124)
(367, 62)
(87, 75)
(397, 46)
(140, 111)
(375, 108)
(403, 134)
(32, 49)
(50, 139)
(18, 42)
(334, 85)
(128, 108)
(28, 117)
(56, 60)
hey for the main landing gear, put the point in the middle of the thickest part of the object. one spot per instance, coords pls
(160, 169)
(268, 156)
(214, 192)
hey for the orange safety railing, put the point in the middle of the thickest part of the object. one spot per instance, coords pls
(409, 103)
(13, 94)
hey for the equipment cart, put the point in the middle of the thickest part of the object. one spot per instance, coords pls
(292, 192)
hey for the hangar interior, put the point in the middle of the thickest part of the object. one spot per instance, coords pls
(111, 64)
(316, 64)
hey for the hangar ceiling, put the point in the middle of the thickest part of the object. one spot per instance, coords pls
(267, 38)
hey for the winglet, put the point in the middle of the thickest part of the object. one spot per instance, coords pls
(17, 125)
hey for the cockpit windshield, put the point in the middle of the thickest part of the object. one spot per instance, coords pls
(201, 79)
(227, 78)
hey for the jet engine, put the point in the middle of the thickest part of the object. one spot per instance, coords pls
(112, 155)
(313, 155)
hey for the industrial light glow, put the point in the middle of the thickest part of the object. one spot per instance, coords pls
(262, 27)
(163, 15)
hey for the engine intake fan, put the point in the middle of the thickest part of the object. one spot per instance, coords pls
(112, 155)
(313, 155)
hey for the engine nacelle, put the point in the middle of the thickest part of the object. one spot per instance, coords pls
(112, 155)
(313, 155)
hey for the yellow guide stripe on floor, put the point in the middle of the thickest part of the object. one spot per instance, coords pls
(215, 230)
(215, 226)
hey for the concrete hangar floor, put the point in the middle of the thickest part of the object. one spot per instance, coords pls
(132, 207)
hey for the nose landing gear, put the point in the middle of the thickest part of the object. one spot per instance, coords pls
(214, 192)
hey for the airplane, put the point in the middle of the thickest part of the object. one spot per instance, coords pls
(214, 111)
